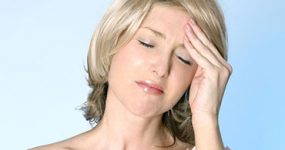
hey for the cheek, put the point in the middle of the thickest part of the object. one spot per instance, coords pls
(124, 58)
(131, 55)
(127, 61)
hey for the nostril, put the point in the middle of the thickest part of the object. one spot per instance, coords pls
(161, 65)
(161, 71)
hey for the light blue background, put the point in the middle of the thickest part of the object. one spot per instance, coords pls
(43, 48)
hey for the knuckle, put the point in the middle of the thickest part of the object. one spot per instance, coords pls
(209, 44)
(226, 71)
(214, 71)
(229, 68)
(220, 71)
(195, 40)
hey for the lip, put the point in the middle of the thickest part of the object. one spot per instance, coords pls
(150, 87)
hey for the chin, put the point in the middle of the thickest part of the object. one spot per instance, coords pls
(145, 108)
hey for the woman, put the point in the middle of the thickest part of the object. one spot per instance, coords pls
(158, 72)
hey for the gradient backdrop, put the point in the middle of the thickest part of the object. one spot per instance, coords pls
(43, 48)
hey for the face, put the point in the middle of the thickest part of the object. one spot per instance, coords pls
(150, 74)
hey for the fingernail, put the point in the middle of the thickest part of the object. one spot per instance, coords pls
(188, 28)
(186, 38)
(192, 22)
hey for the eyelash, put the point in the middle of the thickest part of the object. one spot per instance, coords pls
(152, 46)
(184, 61)
(146, 45)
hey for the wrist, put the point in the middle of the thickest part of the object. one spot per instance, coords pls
(204, 120)
(207, 132)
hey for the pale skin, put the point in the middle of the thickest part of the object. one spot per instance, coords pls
(130, 123)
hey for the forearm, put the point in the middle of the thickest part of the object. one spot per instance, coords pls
(207, 133)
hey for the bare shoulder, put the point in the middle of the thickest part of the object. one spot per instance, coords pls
(54, 146)
(61, 145)
(68, 144)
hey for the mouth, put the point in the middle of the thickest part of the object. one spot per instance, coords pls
(150, 87)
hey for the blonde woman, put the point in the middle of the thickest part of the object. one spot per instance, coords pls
(158, 71)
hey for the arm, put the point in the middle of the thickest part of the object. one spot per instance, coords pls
(207, 88)
(207, 133)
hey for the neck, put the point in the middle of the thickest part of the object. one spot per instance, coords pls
(119, 128)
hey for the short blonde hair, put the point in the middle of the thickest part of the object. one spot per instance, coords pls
(116, 29)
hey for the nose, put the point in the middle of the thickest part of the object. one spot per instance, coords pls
(161, 65)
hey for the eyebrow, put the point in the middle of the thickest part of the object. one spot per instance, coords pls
(157, 33)
(161, 35)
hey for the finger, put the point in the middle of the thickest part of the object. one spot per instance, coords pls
(201, 35)
(198, 58)
(201, 48)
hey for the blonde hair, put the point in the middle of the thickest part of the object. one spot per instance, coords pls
(116, 29)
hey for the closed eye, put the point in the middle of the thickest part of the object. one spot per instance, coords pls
(184, 61)
(146, 45)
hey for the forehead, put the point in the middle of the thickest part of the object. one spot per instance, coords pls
(168, 19)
